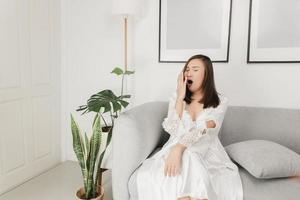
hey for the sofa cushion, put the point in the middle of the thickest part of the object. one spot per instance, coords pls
(269, 189)
(280, 125)
(265, 159)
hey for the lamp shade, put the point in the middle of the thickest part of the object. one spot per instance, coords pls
(125, 7)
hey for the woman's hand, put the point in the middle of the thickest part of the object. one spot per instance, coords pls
(173, 161)
(210, 124)
(181, 86)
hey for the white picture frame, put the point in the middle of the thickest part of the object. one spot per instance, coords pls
(194, 27)
(274, 31)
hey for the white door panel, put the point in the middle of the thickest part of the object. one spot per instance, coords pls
(29, 89)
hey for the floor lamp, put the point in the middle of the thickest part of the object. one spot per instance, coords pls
(125, 9)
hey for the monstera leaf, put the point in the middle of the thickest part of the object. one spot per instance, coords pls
(105, 99)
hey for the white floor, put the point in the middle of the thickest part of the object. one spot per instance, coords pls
(59, 183)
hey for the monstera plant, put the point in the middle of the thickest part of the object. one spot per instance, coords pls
(107, 99)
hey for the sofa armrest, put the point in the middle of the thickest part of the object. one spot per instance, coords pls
(136, 133)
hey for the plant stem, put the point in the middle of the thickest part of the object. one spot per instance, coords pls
(112, 119)
(122, 84)
(103, 118)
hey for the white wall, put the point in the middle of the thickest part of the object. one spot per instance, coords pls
(93, 45)
(91, 48)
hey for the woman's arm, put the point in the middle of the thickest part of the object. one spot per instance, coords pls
(179, 107)
(173, 120)
(183, 145)
(173, 160)
(212, 122)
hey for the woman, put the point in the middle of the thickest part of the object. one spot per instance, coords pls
(193, 164)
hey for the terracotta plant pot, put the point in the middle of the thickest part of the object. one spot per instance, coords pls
(80, 194)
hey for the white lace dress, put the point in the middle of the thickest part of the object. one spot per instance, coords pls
(207, 171)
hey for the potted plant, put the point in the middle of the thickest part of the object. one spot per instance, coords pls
(103, 102)
(87, 151)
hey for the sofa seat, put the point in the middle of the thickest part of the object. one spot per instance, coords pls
(254, 189)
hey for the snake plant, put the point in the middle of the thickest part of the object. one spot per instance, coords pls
(87, 151)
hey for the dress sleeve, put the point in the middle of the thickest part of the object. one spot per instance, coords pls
(172, 122)
(217, 115)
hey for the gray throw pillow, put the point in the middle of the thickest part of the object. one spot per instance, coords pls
(265, 159)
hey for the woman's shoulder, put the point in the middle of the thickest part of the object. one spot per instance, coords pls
(223, 102)
(223, 99)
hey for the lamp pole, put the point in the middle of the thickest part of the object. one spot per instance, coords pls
(125, 43)
(127, 9)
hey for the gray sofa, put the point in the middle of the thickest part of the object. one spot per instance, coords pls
(138, 134)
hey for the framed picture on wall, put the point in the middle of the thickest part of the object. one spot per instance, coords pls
(274, 31)
(194, 27)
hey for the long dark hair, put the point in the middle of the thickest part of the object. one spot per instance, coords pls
(210, 95)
